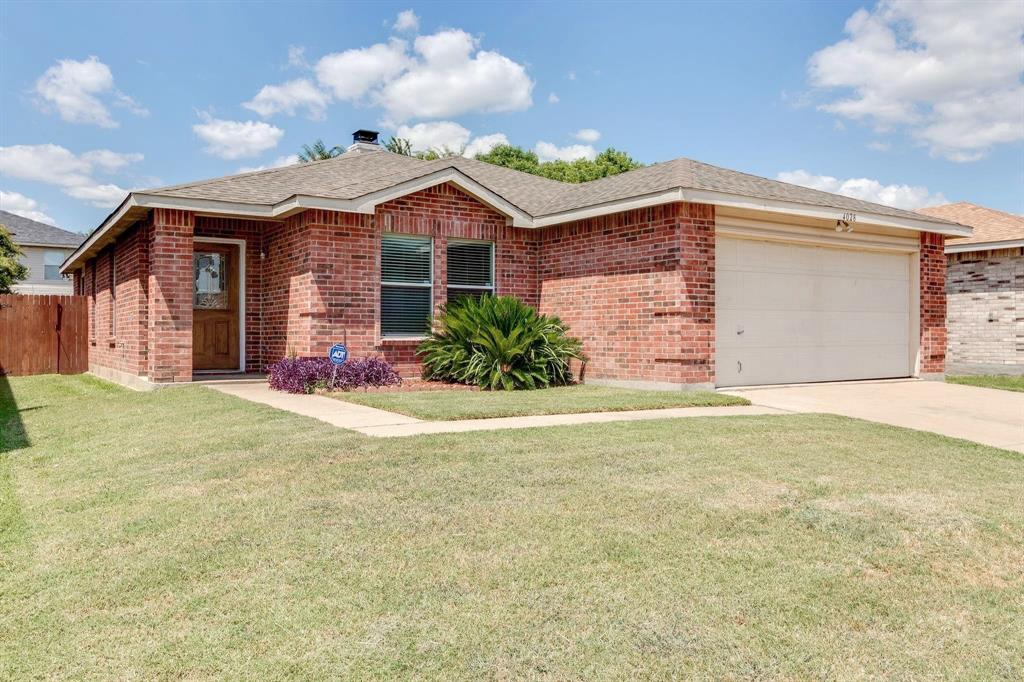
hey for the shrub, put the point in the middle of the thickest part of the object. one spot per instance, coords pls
(306, 375)
(498, 342)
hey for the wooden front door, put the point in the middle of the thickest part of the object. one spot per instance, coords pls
(215, 270)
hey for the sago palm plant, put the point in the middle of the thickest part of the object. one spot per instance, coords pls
(499, 343)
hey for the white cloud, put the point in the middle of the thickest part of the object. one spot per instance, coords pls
(75, 90)
(908, 197)
(484, 144)
(55, 165)
(553, 99)
(236, 139)
(450, 77)
(102, 195)
(407, 21)
(110, 161)
(442, 135)
(879, 146)
(571, 75)
(947, 73)
(279, 162)
(19, 204)
(350, 74)
(587, 135)
(434, 135)
(297, 57)
(289, 97)
(444, 74)
(547, 151)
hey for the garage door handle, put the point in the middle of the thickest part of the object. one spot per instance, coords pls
(739, 330)
(739, 367)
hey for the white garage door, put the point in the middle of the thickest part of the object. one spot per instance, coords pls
(791, 313)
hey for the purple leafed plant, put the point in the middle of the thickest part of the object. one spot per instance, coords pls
(306, 375)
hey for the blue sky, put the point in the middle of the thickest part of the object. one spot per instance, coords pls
(903, 102)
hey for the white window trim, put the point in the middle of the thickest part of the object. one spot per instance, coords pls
(241, 300)
(494, 271)
(411, 285)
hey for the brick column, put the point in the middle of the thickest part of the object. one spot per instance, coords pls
(697, 299)
(933, 305)
(170, 296)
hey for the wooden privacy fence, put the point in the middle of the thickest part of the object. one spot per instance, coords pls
(43, 334)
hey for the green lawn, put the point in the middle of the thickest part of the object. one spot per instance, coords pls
(1005, 383)
(186, 534)
(446, 405)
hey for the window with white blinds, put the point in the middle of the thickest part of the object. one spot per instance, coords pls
(470, 269)
(406, 285)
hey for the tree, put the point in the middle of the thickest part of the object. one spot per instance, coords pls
(401, 145)
(318, 152)
(609, 162)
(12, 270)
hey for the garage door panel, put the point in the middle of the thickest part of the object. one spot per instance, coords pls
(747, 290)
(809, 313)
(765, 366)
(807, 329)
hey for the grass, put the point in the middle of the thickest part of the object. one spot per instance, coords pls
(1004, 383)
(186, 534)
(447, 405)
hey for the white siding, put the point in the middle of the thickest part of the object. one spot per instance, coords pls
(37, 283)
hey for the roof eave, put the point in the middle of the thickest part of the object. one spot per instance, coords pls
(751, 203)
(985, 246)
(365, 204)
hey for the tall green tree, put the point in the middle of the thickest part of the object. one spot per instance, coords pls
(609, 162)
(12, 270)
(318, 151)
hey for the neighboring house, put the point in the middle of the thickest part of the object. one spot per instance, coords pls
(674, 275)
(44, 247)
(985, 290)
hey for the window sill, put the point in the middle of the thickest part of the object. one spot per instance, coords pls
(390, 340)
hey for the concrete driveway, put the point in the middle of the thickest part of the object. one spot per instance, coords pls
(983, 415)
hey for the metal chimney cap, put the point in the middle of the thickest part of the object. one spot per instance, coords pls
(365, 136)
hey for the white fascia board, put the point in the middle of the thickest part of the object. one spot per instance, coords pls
(655, 199)
(984, 246)
(751, 203)
(111, 220)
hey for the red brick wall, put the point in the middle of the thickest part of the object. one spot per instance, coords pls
(321, 274)
(169, 355)
(120, 344)
(933, 303)
(445, 212)
(638, 288)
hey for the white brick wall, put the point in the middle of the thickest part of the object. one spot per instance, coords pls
(985, 310)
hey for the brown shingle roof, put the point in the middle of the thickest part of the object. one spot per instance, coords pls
(989, 224)
(354, 175)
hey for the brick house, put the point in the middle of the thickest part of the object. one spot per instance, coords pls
(679, 274)
(984, 290)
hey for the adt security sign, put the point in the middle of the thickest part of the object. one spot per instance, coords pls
(338, 354)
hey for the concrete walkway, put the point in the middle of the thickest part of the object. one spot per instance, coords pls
(334, 412)
(374, 422)
(983, 415)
